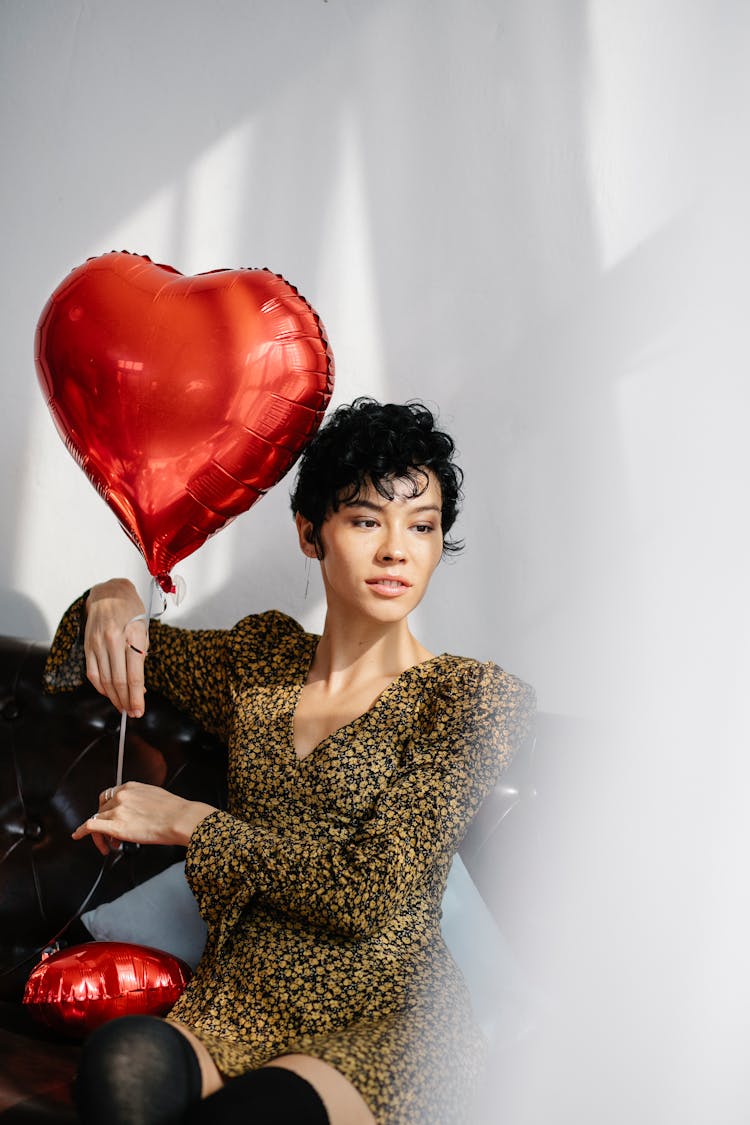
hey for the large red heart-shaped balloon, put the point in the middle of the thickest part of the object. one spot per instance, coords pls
(76, 990)
(183, 398)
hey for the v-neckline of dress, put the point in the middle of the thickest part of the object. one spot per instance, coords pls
(305, 664)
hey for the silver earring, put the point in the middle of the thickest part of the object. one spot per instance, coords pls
(308, 560)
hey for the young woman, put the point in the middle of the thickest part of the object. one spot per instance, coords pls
(357, 759)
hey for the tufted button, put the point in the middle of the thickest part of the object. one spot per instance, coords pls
(33, 830)
(11, 711)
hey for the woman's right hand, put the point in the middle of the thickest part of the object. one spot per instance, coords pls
(116, 645)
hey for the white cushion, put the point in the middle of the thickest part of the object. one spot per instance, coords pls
(161, 912)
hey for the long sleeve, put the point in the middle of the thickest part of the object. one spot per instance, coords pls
(353, 886)
(194, 668)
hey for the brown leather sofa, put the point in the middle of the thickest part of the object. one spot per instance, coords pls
(57, 752)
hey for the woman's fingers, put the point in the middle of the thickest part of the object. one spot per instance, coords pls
(113, 659)
(92, 827)
(103, 843)
(99, 825)
(117, 671)
(115, 643)
(136, 634)
(101, 832)
(134, 671)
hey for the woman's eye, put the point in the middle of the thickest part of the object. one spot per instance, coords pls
(364, 521)
(424, 528)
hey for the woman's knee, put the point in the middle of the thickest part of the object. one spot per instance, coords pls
(137, 1070)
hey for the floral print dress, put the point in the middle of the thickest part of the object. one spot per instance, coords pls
(322, 881)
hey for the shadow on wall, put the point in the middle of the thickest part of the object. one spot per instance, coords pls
(442, 151)
(268, 53)
(479, 225)
(21, 617)
(451, 125)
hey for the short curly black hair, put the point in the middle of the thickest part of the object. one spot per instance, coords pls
(368, 442)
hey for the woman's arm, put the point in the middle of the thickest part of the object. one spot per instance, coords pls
(98, 639)
(353, 887)
(194, 668)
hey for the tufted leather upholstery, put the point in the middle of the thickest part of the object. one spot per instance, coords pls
(57, 753)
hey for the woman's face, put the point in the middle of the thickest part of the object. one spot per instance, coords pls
(379, 554)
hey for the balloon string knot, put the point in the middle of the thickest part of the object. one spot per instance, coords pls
(176, 589)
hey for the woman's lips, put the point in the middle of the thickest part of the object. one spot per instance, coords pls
(389, 587)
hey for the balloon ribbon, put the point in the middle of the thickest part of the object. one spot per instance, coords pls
(154, 592)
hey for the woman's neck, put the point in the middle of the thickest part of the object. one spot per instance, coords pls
(351, 652)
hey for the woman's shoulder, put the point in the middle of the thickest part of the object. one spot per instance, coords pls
(463, 672)
(270, 637)
(476, 703)
(272, 627)
(475, 692)
(268, 646)
(269, 621)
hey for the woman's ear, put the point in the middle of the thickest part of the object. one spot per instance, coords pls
(306, 537)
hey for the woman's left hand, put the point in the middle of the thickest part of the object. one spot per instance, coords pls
(142, 814)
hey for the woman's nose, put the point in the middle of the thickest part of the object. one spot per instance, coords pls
(392, 549)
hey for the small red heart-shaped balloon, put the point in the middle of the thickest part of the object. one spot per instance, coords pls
(76, 990)
(183, 398)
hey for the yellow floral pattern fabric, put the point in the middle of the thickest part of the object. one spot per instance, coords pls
(322, 881)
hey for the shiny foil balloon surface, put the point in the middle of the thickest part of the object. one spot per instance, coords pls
(183, 398)
(77, 989)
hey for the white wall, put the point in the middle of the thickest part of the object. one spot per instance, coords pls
(480, 200)
(532, 214)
